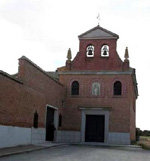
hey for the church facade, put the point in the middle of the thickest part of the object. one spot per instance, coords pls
(90, 99)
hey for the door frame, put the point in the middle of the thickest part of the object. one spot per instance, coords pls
(94, 111)
(55, 118)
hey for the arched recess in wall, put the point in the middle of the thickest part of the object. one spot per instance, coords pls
(75, 88)
(105, 51)
(90, 50)
(35, 120)
(117, 88)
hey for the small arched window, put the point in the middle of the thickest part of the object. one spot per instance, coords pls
(90, 51)
(105, 51)
(117, 88)
(95, 89)
(75, 88)
(35, 120)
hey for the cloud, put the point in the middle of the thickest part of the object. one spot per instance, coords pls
(20, 12)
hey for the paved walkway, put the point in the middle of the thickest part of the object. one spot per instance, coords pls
(27, 148)
(34, 147)
(82, 153)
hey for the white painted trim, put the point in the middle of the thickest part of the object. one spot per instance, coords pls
(38, 135)
(13, 136)
(100, 109)
(55, 115)
(68, 136)
(119, 138)
(55, 108)
(55, 118)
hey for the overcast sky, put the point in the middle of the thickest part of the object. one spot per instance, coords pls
(43, 30)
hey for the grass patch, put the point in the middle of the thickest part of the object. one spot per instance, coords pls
(144, 142)
(145, 138)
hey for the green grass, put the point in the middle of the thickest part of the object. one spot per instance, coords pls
(145, 138)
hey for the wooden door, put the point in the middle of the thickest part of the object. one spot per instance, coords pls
(94, 129)
(50, 124)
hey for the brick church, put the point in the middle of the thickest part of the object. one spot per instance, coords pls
(90, 99)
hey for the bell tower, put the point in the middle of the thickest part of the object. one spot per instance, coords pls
(97, 51)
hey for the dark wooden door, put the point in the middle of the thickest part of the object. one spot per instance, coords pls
(94, 130)
(50, 124)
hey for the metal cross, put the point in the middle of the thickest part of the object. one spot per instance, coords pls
(98, 18)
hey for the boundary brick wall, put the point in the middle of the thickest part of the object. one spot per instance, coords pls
(35, 78)
(31, 91)
(18, 104)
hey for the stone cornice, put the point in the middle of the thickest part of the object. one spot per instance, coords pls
(95, 72)
(98, 38)
(95, 108)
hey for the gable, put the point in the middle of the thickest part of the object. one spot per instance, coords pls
(98, 33)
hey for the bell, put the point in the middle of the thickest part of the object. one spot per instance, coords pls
(90, 52)
(105, 52)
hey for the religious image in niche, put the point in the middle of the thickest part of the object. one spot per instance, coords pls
(95, 89)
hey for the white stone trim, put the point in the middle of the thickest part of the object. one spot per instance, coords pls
(96, 108)
(55, 108)
(13, 136)
(68, 136)
(38, 135)
(119, 138)
(56, 117)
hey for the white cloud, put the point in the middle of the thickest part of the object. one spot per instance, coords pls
(20, 12)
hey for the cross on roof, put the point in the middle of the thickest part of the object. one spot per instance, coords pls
(98, 18)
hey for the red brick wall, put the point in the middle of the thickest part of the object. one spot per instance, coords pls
(132, 121)
(132, 113)
(71, 118)
(18, 104)
(120, 106)
(82, 62)
(34, 78)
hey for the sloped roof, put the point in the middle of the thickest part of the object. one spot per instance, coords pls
(40, 69)
(10, 77)
(98, 33)
(54, 75)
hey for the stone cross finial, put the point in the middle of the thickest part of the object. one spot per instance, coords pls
(126, 55)
(69, 56)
